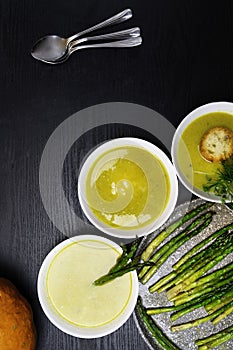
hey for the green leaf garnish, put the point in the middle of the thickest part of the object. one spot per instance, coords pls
(222, 184)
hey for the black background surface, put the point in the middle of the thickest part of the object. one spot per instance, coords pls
(185, 61)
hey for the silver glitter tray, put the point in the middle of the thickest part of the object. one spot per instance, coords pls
(184, 340)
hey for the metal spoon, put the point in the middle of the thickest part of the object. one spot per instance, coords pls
(121, 35)
(53, 47)
(122, 43)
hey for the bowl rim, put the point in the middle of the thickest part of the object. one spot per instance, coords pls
(173, 195)
(219, 106)
(61, 323)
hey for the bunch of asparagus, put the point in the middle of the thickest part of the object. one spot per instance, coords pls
(126, 262)
(158, 255)
(188, 286)
(203, 344)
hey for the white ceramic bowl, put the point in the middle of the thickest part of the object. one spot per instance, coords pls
(198, 112)
(62, 323)
(118, 231)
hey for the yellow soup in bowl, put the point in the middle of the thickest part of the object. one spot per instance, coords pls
(195, 168)
(67, 292)
(127, 187)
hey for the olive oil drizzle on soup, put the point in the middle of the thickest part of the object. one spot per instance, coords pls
(127, 187)
(195, 168)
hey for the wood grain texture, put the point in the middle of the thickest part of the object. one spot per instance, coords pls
(185, 61)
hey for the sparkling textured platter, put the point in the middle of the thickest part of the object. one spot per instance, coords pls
(184, 340)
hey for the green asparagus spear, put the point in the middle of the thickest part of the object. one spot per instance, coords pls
(189, 306)
(167, 249)
(160, 310)
(189, 267)
(125, 263)
(220, 273)
(172, 246)
(125, 256)
(187, 277)
(224, 314)
(205, 241)
(198, 302)
(121, 260)
(212, 344)
(215, 336)
(143, 274)
(166, 282)
(218, 303)
(200, 257)
(199, 321)
(131, 266)
(193, 293)
(215, 279)
(165, 233)
(111, 276)
(154, 329)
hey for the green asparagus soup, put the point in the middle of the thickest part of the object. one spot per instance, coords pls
(70, 284)
(194, 167)
(127, 187)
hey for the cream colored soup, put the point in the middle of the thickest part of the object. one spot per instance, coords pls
(70, 284)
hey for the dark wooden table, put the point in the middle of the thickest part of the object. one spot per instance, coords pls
(185, 61)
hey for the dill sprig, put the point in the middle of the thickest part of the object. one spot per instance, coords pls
(222, 184)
